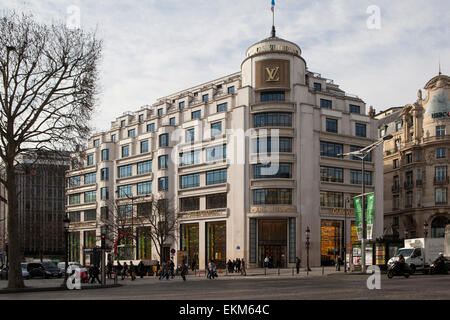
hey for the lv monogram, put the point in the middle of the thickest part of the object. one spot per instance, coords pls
(272, 74)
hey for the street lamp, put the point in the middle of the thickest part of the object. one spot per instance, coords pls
(66, 223)
(362, 154)
(425, 229)
(307, 248)
(347, 202)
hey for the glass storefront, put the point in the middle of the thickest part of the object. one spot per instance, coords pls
(331, 241)
(89, 243)
(216, 243)
(189, 244)
(125, 247)
(74, 246)
(144, 243)
(272, 242)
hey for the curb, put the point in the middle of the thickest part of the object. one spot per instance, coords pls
(26, 290)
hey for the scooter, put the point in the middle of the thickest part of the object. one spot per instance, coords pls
(395, 270)
(438, 267)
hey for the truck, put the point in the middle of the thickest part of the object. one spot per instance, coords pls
(419, 253)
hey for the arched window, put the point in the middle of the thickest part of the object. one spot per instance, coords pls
(438, 226)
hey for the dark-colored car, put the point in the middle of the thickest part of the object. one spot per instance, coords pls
(4, 272)
(44, 270)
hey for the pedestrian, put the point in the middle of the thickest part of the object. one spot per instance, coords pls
(124, 270)
(243, 271)
(91, 273)
(172, 269)
(230, 266)
(211, 270)
(184, 270)
(297, 264)
(132, 271)
(141, 269)
(158, 267)
(238, 265)
(339, 262)
(109, 268)
(266, 262)
(163, 273)
(95, 273)
(118, 269)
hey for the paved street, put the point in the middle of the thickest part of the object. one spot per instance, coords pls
(260, 287)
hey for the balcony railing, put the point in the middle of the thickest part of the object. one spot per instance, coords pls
(396, 188)
(440, 180)
(419, 183)
(409, 185)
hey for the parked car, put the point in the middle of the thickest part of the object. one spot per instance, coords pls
(4, 272)
(71, 266)
(44, 270)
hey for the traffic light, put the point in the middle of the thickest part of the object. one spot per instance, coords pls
(103, 237)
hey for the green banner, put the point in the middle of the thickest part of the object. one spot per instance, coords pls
(370, 213)
(357, 204)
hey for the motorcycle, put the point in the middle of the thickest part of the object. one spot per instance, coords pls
(396, 270)
(438, 267)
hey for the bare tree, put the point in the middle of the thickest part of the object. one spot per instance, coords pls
(47, 94)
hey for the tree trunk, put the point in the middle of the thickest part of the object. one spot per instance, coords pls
(15, 279)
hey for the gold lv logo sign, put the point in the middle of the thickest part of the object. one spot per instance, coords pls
(272, 74)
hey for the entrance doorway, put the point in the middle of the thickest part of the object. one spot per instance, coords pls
(272, 243)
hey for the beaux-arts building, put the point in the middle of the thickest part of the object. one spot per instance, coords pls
(247, 162)
(416, 163)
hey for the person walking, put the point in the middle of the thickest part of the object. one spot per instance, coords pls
(238, 265)
(124, 270)
(184, 270)
(158, 267)
(297, 264)
(243, 271)
(211, 269)
(339, 262)
(230, 266)
(132, 271)
(172, 269)
(118, 269)
(95, 273)
(266, 262)
(163, 273)
(109, 269)
(141, 269)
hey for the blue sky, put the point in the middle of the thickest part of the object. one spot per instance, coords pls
(155, 48)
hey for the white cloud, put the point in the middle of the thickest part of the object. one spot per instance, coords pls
(155, 48)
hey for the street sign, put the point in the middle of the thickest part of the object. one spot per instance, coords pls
(172, 251)
(238, 248)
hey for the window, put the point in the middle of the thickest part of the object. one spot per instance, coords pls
(441, 195)
(397, 145)
(190, 204)
(75, 198)
(329, 149)
(272, 196)
(90, 215)
(327, 104)
(440, 153)
(409, 199)
(144, 146)
(104, 174)
(131, 133)
(90, 178)
(172, 121)
(163, 162)
(90, 159)
(216, 153)
(216, 176)
(272, 96)
(440, 174)
(216, 129)
(317, 86)
(331, 125)
(196, 114)
(355, 177)
(164, 140)
(190, 135)
(409, 179)
(141, 118)
(231, 90)
(151, 127)
(222, 107)
(126, 171)
(396, 202)
(144, 208)
(190, 181)
(395, 163)
(329, 174)
(419, 198)
(74, 216)
(125, 211)
(269, 171)
(160, 112)
(181, 105)
(96, 142)
(104, 194)
(419, 156)
(144, 188)
(205, 98)
(272, 119)
(355, 109)
(90, 196)
(264, 145)
(440, 131)
(75, 181)
(357, 148)
(113, 138)
(125, 151)
(125, 191)
(216, 201)
(360, 130)
(398, 125)
(75, 163)
(189, 158)
(409, 158)
(123, 123)
(144, 167)
(330, 199)
(163, 183)
(105, 154)
(382, 132)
